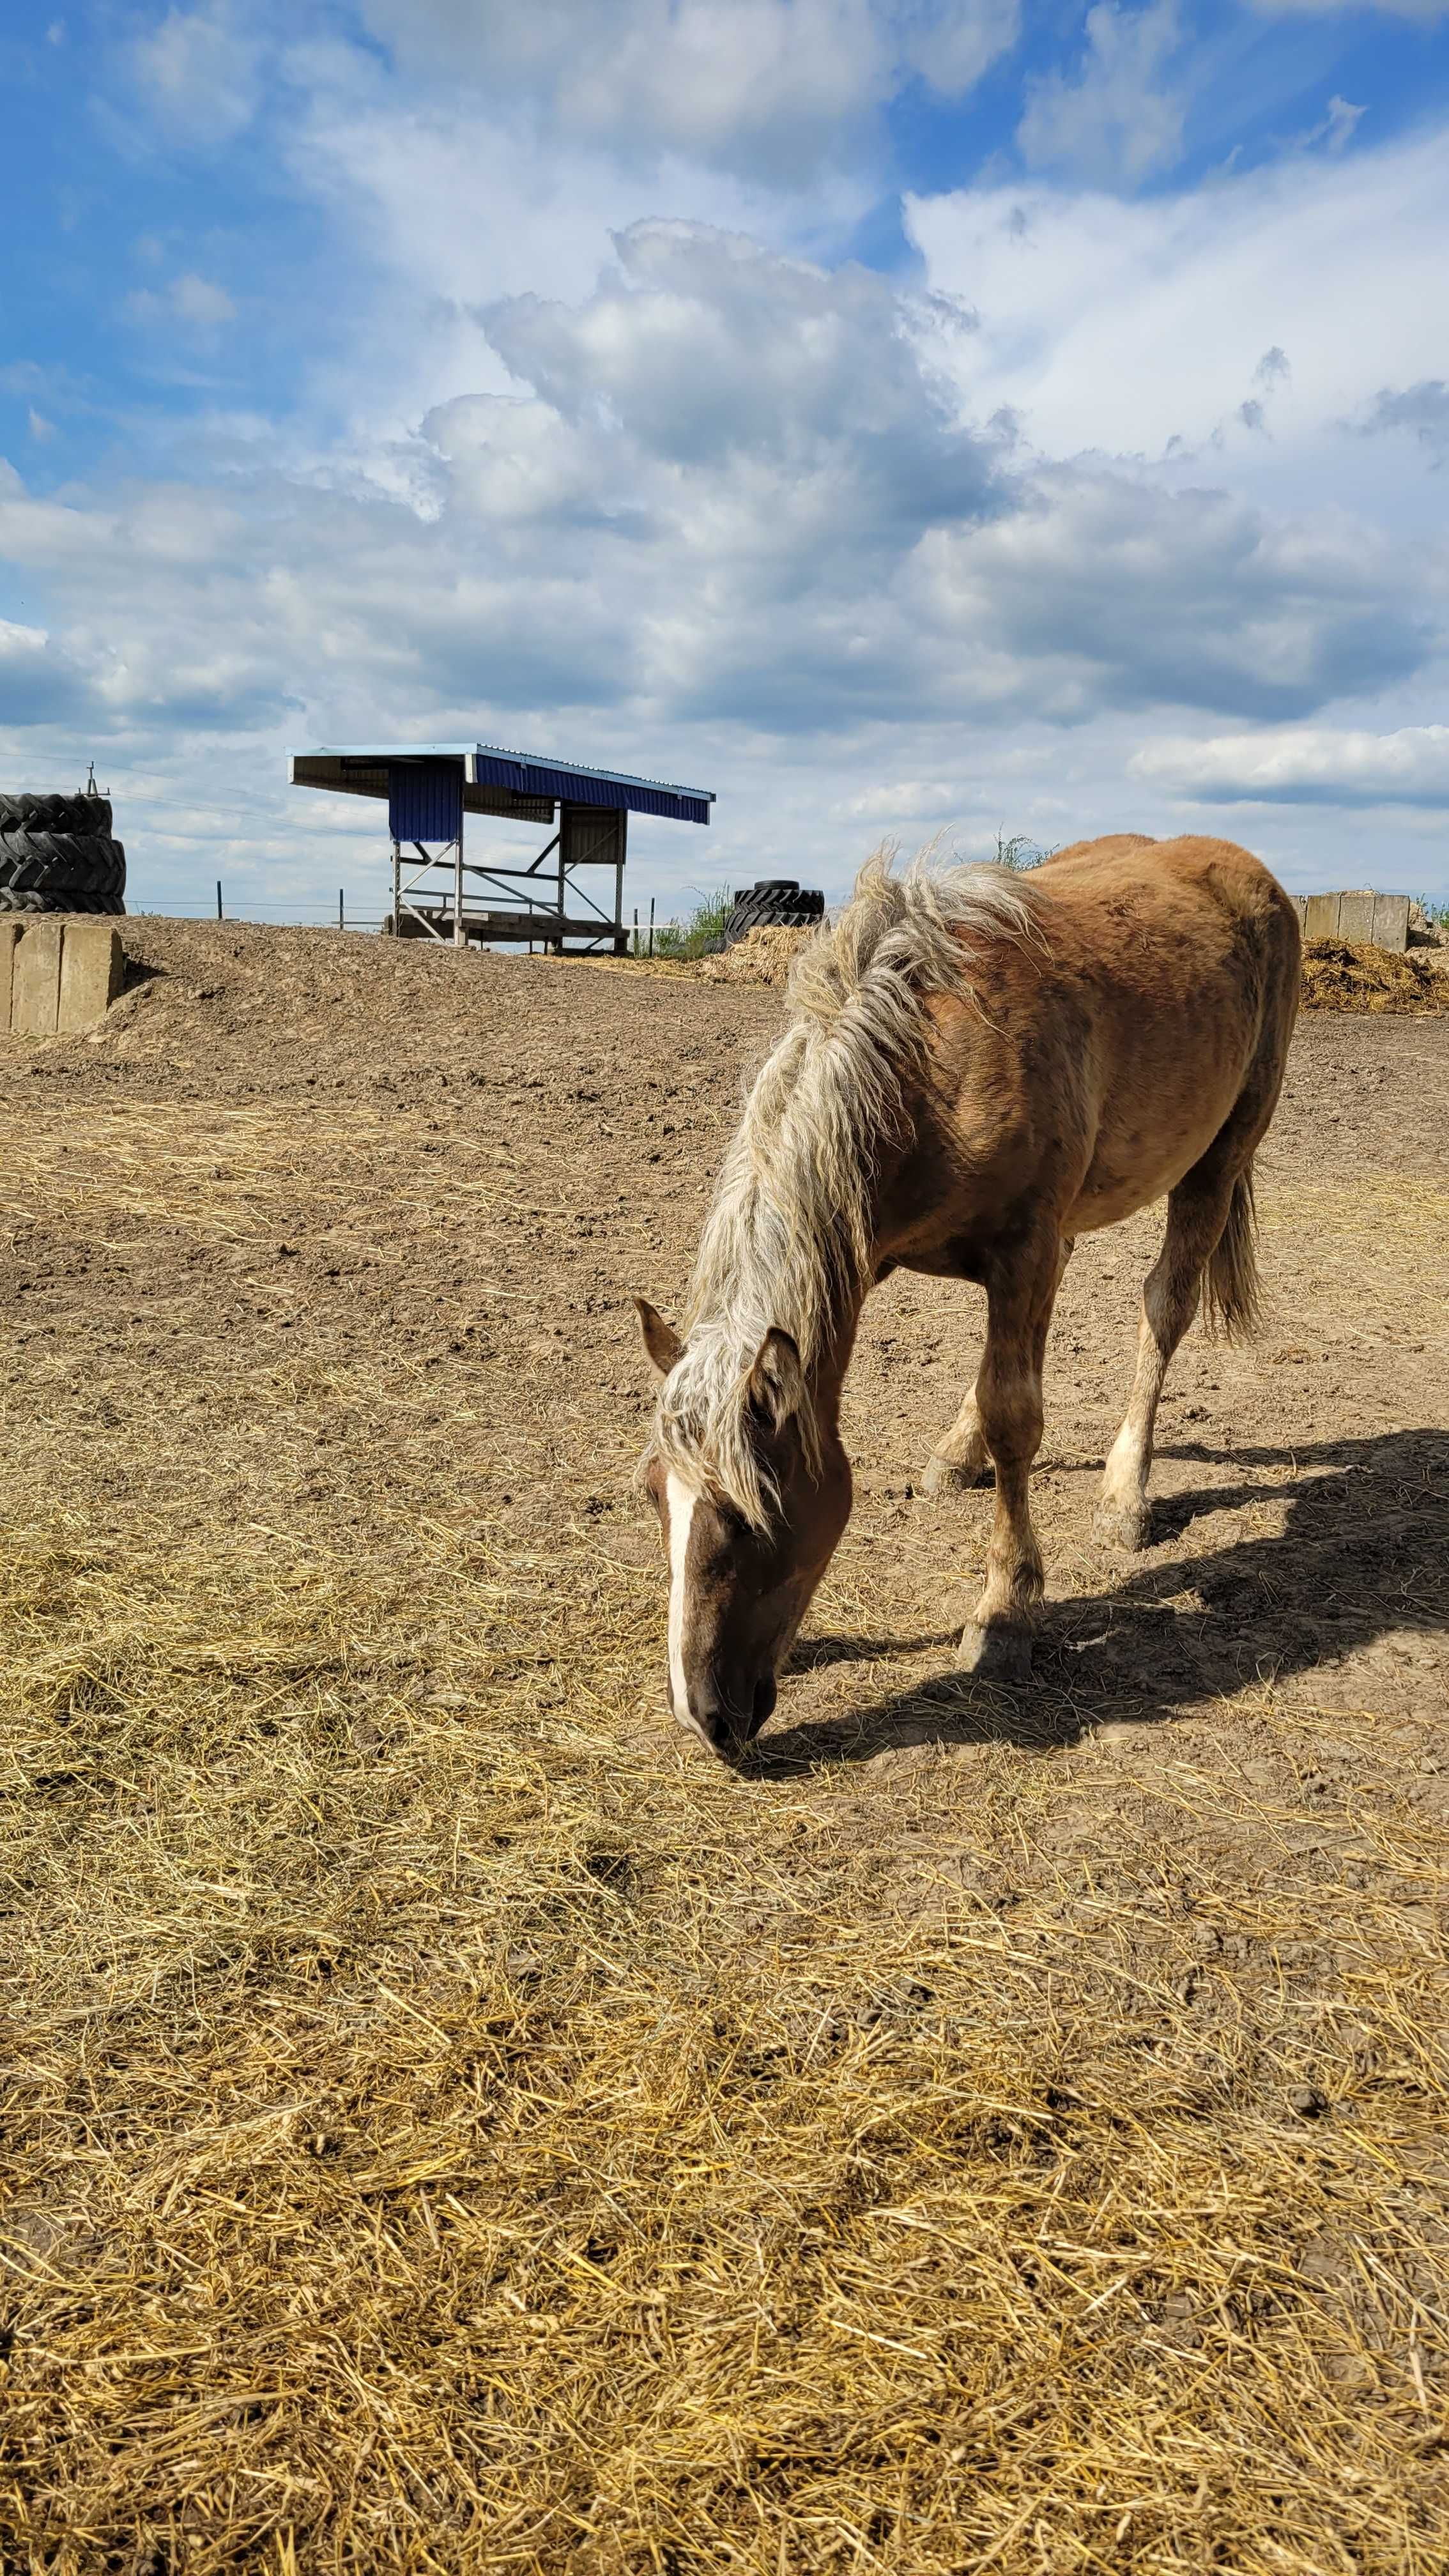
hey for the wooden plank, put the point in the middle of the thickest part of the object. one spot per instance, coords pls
(8, 933)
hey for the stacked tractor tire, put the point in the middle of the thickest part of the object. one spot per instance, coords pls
(57, 855)
(773, 903)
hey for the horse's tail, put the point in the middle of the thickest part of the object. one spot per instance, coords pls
(1233, 1302)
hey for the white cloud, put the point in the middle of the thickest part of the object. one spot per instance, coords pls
(775, 88)
(727, 488)
(1116, 119)
(1306, 765)
(951, 43)
(199, 72)
(197, 303)
(690, 503)
(1125, 327)
(1338, 126)
(907, 800)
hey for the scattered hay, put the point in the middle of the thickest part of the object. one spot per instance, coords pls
(448, 2126)
(440, 2133)
(1339, 976)
(761, 957)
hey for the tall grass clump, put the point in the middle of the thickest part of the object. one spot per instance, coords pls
(697, 936)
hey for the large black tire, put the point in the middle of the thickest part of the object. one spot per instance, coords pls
(85, 814)
(21, 899)
(62, 863)
(773, 903)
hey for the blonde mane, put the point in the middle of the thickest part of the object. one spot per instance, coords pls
(788, 1239)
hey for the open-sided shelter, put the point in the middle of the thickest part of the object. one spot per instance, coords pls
(438, 893)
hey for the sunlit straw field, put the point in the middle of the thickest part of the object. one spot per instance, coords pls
(449, 2124)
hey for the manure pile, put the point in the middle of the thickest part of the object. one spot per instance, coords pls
(1340, 976)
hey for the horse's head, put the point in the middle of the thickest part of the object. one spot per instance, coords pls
(740, 1581)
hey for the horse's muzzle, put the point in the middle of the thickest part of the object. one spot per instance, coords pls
(728, 1723)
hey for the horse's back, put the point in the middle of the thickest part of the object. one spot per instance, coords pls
(1191, 922)
(1184, 882)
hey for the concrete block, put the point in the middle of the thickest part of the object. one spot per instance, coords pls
(1300, 906)
(8, 930)
(1391, 921)
(1356, 918)
(1320, 916)
(35, 984)
(91, 967)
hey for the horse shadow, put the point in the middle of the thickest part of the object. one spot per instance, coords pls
(1365, 1553)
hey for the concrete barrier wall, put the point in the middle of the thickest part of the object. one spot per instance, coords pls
(1369, 920)
(58, 973)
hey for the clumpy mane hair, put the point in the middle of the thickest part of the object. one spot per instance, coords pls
(788, 1240)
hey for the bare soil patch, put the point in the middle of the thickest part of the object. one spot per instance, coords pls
(450, 2122)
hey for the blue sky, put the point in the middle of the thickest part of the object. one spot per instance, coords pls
(900, 416)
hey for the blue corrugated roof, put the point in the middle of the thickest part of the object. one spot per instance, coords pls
(520, 773)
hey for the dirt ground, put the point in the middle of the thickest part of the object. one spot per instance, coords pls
(453, 2123)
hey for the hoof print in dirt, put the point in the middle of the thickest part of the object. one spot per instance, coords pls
(994, 1654)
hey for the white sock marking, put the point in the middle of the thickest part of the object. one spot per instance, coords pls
(681, 1503)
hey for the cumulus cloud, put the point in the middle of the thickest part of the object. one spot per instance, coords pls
(1308, 765)
(1104, 592)
(727, 487)
(775, 87)
(1116, 119)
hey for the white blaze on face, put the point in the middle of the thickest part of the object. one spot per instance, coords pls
(681, 1504)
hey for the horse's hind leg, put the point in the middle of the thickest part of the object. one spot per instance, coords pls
(960, 1459)
(1197, 1213)
(996, 1642)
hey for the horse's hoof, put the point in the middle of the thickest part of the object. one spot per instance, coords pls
(1126, 1525)
(995, 1654)
(944, 1476)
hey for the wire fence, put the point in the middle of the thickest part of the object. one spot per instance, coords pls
(663, 938)
(318, 913)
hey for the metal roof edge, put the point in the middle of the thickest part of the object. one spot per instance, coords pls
(471, 751)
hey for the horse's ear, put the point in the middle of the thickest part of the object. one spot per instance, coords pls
(777, 1380)
(660, 1339)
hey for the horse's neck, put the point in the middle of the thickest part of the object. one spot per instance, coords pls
(791, 1239)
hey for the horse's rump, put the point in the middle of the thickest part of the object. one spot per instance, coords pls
(1162, 989)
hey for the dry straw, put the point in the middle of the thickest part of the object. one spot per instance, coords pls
(446, 2126)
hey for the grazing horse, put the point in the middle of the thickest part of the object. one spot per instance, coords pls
(980, 1067)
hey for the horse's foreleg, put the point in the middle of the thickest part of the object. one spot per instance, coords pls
(961, 1457)
(1195, 1219)
(997, 1640)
